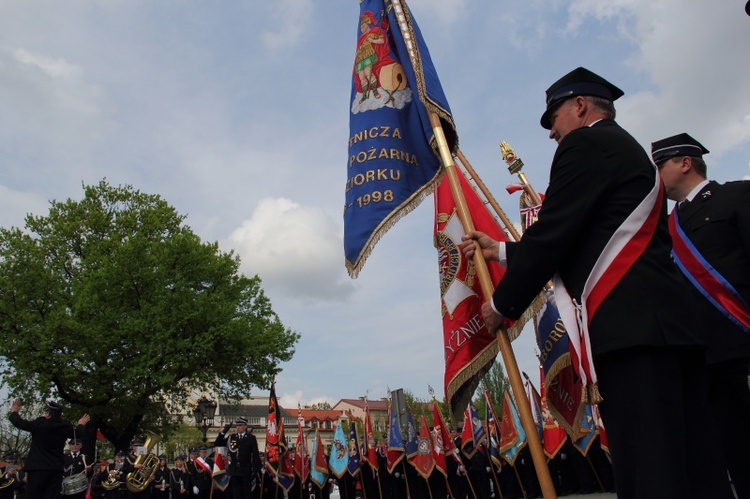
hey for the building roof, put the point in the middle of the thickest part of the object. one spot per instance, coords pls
(373, 405)
(320, 414)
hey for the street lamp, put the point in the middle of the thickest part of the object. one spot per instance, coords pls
(204, 415)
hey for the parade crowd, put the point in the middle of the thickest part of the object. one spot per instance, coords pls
(660, 307)
(472, 474)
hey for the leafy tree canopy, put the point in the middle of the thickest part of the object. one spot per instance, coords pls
(114, 306)
(495, 383)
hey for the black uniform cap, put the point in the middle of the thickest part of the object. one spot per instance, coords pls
(681, 144)
(580, 81)
(53, 406)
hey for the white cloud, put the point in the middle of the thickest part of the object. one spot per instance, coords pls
(295, 249)
(683, 59)
(47, 96)
(291, 18)
(290, 401)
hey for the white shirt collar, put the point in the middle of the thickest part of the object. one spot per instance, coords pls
(695, 191)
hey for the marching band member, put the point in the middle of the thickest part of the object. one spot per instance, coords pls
(44, 464)
(74, 464)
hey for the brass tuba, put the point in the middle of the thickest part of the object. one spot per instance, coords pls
(112, 481)
(137, 480)
(6, 480)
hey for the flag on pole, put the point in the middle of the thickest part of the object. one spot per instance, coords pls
(395, 451)
(603, 440)
(588, 432)
(354, 461)
(275, 439)
(423, 460)
(319, 468)
(302, 461)
(554, 434)
(440, 439)
(338, 461)
(563, 386)
(467, 436)
(512, 434)
(474, 434)
(393, 162)
(535, 401)
(285, 476)
(371, 453)
(469, 348)
(411, 442)
(220, 477)
(493, 429)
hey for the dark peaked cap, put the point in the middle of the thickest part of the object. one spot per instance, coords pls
(681, 144)
(53, 406)
(580, 81)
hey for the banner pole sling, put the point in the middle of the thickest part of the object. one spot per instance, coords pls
(509, 358)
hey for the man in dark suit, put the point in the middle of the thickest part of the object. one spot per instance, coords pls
(715, 219)
(602, 234)
(44, 464)
(75, 463)
(244, 458)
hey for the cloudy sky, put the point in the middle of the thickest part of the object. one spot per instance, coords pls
(237, 114)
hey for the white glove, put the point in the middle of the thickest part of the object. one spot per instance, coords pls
(195, 490)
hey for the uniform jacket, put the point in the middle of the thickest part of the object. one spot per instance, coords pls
(48, 437)
(161, 479)
(599, 175)
(175, 476)
(717, 222)
(74, 465)
(244, 457)
(198, 476)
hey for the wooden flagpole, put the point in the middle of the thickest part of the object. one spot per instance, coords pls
(406, 477)
(509, 358)
(492, 468)
(488, 196)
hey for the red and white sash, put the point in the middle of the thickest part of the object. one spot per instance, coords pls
(625, 246)
(711, 284)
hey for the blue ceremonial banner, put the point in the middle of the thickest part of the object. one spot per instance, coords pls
(354, 458)
(478, 431)
(318, 474)
(411, 442)
(393, 163)
(395, 449)
(510, 453)
(338, 461)
(493, 429)
(564, 390)
(588, 432)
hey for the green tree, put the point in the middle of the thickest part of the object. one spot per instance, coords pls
(495, 382)
(321, 406)
(113, 305)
